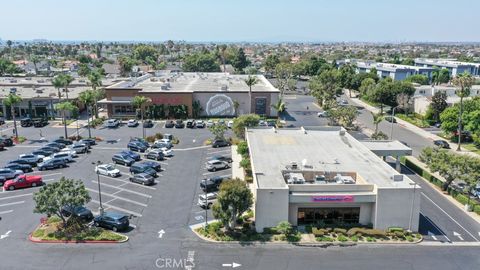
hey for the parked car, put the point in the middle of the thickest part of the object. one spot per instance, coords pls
(41, 152)
(142, 178)
(210, 123)
(214, 165)
(441, 144)
(136, 146)
(56, 145)
(475, 191)
(26, 122)
(2, 180)
(459, 185)
(88, 142)
(390, 119)
(24, 161)
(466, 136)
(107, 170)
(167, 152)
(23, 181)
(148, 123)
(169, 124)
(50, 149)
(211, 184)
(156, 154)
(165, 142)
(21, 167)
(343, 102)
(79, 211)
(122, 159)
(220, 143)
(140, 140)
(323, 114)
(271, 123)
(112, 123)
(179, 124)
(132, 123)
(222, 158)
(191, 123)
(80, 148)
(54, 163)
(221, 122)
(154, 165)
(159, 145)
(6, 141)
(63, 140)
(230, 124)
(69, 151)
(207, 200)
(200, 124)
(40, 122)
(32, 158)
(167, 137)
(131, 154)
(65, 155)
(112, 221)
(142, 168)
(9, 173)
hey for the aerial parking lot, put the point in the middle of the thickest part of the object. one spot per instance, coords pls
(171, 200)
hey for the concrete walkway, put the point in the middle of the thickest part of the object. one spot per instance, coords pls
(419, 131)
(237, 171)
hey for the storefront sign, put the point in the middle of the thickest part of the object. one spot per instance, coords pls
(167, 100)
(220, 105)
(332, 198)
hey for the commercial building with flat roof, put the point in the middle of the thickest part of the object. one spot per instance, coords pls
(454, 67)
(324, 175)
(394, 71)
(217, 94)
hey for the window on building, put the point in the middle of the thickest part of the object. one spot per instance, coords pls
(328, 215)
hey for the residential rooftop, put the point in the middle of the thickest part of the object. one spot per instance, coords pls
(317, 149)
(445, 62)
(194, 82)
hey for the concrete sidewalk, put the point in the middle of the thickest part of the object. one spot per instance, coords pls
(419, 131)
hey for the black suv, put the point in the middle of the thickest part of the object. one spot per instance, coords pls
(113, 221)
(79, 211)
(22, 167)
(212, 184)
(147, 123)
(122, 159)
(142, 178)
(155, 154)
(40, 122)
(6, 141)
(169, 124)
(142, 168)
(220, 143)
(63, 140)
(190, 123)
(179, 124)
(26, 122)
(24, 161)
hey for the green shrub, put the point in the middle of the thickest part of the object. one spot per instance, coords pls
(342, 238)
(242, 148)
(354, 238)
(319, 232)
(409, 238)
(399, 234)
(395, 229)
(150, 139)
(158, 136)
(270, 230)
(38, 233)
(175, 140)
(245, 163)
(324, 239)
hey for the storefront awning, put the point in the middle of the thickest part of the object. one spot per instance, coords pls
(105, 101)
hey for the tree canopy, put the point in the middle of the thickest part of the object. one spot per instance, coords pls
(200, 62)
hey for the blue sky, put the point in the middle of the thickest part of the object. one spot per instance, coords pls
(243, 20)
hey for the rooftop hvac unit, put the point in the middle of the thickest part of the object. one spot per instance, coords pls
(294, 166)
(164, 87)
(342, 132)
(224, 87)
(398, 177)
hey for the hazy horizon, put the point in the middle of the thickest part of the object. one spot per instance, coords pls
(267, 21)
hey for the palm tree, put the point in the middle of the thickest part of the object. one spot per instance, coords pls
(95, 80)
(377, 118)
(279, 107)
(140, 102)
(251, 81)
(86, 98)
(67, 79)
(196, 109)
(11, 100)
(57, 82)
(464, 82)
(65, 107)
(35, 59)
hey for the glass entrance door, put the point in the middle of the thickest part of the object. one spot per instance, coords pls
(328, 215)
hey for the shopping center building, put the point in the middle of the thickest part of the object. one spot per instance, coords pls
(216, 94)
(323, 175)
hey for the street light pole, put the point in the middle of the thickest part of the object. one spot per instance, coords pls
(411, 210)
(99, 189)
(393, 117)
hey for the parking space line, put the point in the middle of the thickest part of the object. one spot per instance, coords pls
(124, 189)
(118, 208)
(15, 196)
(12, 203)
(48, 180)
(209, 173)
(118, 197)
(216, 152)
(6, 212)
(128, 182)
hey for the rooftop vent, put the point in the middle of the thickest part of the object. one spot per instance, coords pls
(342, 132)
(398, 177)
(224, 87)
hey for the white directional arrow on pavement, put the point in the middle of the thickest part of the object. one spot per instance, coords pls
(432, 235)
(458, 235)
(5, 235)
(160, 233)
(233, 265)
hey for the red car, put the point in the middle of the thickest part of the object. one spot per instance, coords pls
(23, 181)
